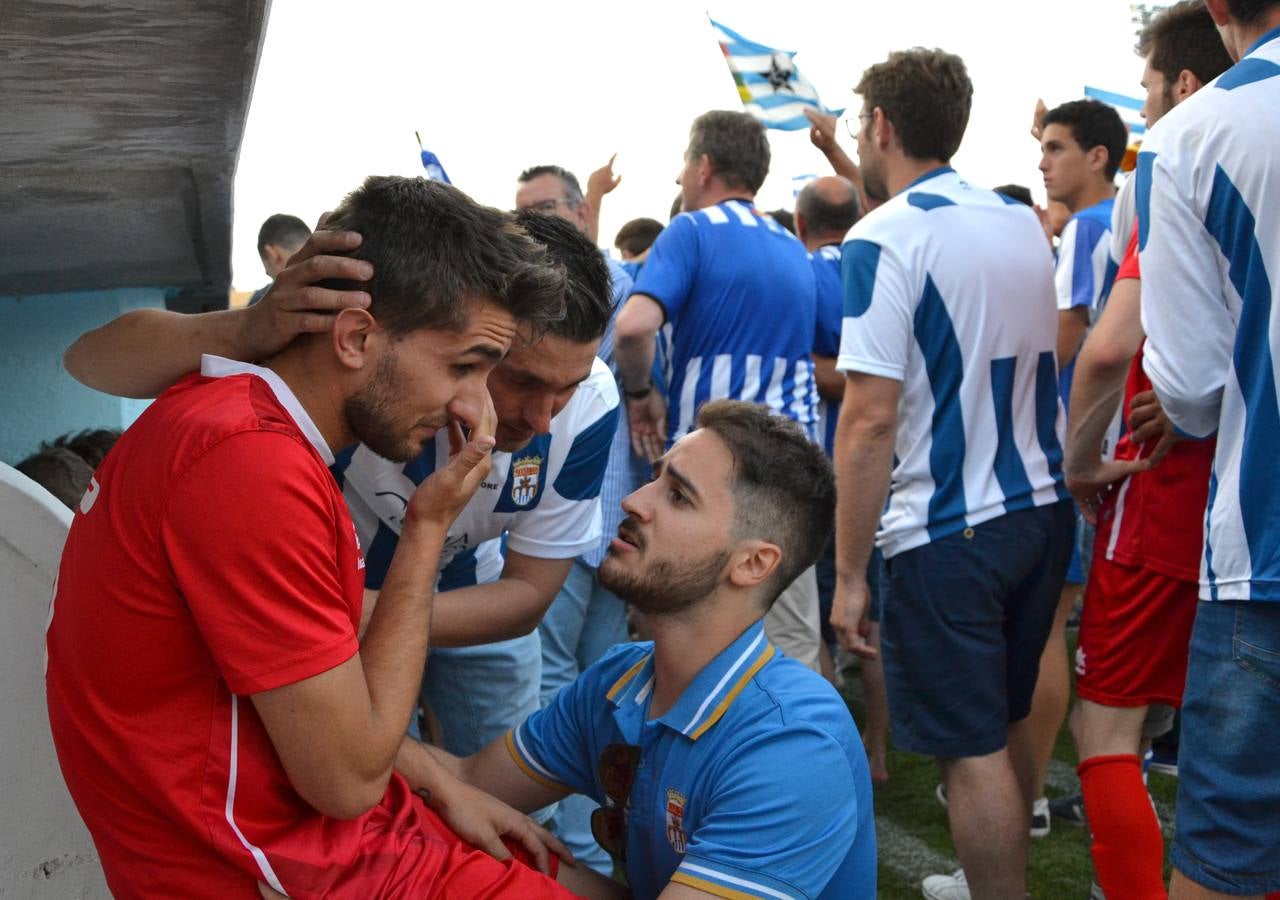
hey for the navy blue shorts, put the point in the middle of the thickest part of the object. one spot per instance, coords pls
(965, 618)
(1228, 833)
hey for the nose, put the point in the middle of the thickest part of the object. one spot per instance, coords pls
(468, 402)
(537, 414)
(636, 503)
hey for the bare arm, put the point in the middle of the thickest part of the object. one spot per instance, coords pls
(830, 382)
(143, 352)
(865, 438)
(1072, 325)
(600, 182)
(633, 349)
(822, 133)
(507, 608)
(1096, 391)
(338, 733)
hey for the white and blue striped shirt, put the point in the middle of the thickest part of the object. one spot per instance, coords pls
(826, 336)
(738, 293)
(949, 289)
(1209, 245)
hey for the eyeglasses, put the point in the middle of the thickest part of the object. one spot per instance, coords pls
(549, 206)
(617, 770)
(853, 131)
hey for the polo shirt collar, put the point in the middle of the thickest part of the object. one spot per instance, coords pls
(1265, 39)
(932, 173)
(707, 697)
(218, 367)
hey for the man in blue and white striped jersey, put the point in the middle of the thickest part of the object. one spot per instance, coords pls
(1209, 245)
(952, 392)
(733, 292)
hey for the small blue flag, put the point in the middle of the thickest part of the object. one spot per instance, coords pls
(431, 163)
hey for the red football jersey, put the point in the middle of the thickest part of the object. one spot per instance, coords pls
(1155, 519)
(213, 558)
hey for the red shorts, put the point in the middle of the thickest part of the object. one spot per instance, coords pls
(413, 854)
(1134, 631)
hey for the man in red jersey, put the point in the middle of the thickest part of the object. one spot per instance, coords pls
(219, 720)
(1148, 504)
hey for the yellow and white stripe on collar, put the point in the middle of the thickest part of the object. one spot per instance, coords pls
(730, 685)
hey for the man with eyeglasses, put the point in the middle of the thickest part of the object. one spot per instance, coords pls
(585, 619)
(724, 768)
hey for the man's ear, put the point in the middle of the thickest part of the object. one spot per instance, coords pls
(1097, 157)
(753, 562)
(356, 338)
(1187, 84)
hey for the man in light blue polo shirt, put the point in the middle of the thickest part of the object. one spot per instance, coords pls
(723, 768)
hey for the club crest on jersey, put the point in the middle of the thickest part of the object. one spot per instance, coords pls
(675, 820)
(524, 479)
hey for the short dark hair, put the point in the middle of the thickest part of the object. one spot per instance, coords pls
(1246, 12)
(926, 95)
(283, 230)
(587, 293)
(92, 445)
(570, 180)
(638, 235)
(435, 251)
(1183, 36)
(60, 472)
(1018, 192)
(735, 143)
(784, 490)
(784, 217)
(821, 215)
(1093, 124)
(677, 206)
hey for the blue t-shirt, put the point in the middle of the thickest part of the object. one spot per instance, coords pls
(826, 336)
(754, 783)
(737, 289)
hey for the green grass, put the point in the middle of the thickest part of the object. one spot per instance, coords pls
(914, 838)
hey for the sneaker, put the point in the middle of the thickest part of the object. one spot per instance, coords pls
(1068, 809)
(1095, 892)
(946, 887)
(941, 793)
(1040, 818)
(1163, 762)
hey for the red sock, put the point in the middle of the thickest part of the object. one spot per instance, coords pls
(1128, 851)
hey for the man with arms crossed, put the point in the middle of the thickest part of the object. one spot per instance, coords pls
(1132, 656)
(950, 324)
(1209, 246)
(724, 769)
(217, 717)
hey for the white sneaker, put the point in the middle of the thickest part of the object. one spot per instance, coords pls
(946, 887)
(941, 793)
(1040, 819)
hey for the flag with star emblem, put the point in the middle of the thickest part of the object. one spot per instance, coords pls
(771, 87)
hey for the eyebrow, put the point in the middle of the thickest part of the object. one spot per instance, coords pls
(663, 466)
(532, 376)
(488, 351)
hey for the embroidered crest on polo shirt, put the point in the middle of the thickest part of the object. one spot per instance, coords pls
(524, 481)
(675, 820)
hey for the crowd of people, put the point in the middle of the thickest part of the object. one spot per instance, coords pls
(468, 562)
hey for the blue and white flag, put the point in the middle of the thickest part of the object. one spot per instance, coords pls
(771, 87)
(1129, 109)
(431, 163)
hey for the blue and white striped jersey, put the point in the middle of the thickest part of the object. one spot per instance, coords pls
(737, 289)
(1209, 246)
(1080, 274)
(949, 289)
(545, 496)
(826, 336)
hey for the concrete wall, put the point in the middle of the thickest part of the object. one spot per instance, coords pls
(40, 400)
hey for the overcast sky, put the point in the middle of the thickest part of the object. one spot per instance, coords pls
(494, 87)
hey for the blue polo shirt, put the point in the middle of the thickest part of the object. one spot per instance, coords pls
(754, 784)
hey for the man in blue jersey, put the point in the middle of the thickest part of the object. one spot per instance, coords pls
(585, 619)
(1082, 143)
(724, 769)
(951, 392)
(1209, 247)
(732, 291)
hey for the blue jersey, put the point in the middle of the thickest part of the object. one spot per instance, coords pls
(754, 784)
(949, 289)
(1080, 276)
(1209, 246)
(826, 336)
(737, 289)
